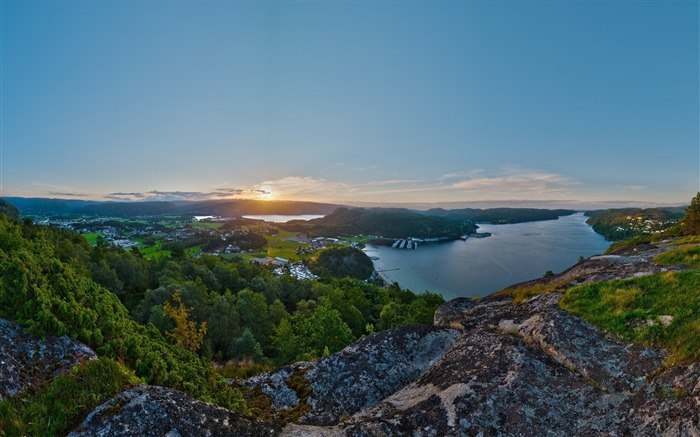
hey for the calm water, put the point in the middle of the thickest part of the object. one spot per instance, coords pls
(282, 218)
(480, 266)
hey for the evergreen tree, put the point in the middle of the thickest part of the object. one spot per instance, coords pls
(691, 222)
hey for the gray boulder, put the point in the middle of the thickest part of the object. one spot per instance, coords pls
(158, 411)
(26, 361)
(359, 376)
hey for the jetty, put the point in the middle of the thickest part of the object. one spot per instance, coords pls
(405, 243)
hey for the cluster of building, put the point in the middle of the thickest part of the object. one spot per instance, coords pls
(648, 225)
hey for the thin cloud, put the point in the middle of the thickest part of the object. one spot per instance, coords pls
(58, 193)
(304, 187)
(517, 181)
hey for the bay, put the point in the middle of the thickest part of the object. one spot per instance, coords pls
(480, 266)
(278, 218)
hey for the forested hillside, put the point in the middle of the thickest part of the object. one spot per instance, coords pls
(499, 215)
(385, 222)
(625, 223)
(165, 321)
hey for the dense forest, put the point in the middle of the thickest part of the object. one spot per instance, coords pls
(381, 222)
(227, 207)
(167, 320)
(499, 215)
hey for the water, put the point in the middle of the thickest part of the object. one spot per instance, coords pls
(481, 266)
(282, 218)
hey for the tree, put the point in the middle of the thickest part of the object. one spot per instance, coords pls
(342, 261)
(324, 328)
(691, 221)
(185, 333)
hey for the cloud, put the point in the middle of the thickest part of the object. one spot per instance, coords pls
(57, 193)
(517, 181)
(636, 187)
(304, 188)
(139, 195)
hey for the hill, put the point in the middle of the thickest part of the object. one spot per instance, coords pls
(499, 215)
(225, 208)
(383, 222)
(625, 223)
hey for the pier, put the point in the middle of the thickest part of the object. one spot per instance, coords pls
(405, 243)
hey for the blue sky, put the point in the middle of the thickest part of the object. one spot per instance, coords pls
(351, 100)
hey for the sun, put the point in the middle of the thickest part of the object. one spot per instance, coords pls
(266, 193)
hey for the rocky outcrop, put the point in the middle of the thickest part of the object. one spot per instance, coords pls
(359, 376)
(158, 411)
(26, 361)
(487, 367)
(533, 369)
(530, 369)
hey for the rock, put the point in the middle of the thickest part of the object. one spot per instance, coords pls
(26, 361)
(359, 376)
(159, 411)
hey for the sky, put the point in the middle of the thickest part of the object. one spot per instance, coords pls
(351, 101)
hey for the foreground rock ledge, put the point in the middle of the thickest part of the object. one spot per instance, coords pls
(26, 360)
(159, 411)
(488, 368)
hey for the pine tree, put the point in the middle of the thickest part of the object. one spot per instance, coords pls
(185, 333)
(691, 222)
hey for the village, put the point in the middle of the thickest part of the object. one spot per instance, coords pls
(282, 252)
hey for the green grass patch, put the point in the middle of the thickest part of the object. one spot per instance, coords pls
(92, 238)
(65, 400)
(522, 293)
(633, 308)
(204, 225)
(194, 250)
(155, 251)
(277, 246)
(691, 239)
(688, 255)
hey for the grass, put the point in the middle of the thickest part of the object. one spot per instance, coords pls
(522, 293)
(92, 238)
(206, 225)
(278, 246)
(66, 400)
(692, 239)
(155, 251)
(632, 309)
(194, 250)
(688, 255)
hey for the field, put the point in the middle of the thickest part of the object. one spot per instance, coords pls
(92, 238)
(155, 251)
(280, 246)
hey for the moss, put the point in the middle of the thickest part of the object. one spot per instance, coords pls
(303, 389)
(259, 404)
(522, 293)
(670, 393)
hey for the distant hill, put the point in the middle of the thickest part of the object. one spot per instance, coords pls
(35, 205)
(9, 210)
(386, 222)
(499, 215)
(226, 208)
(624, 223)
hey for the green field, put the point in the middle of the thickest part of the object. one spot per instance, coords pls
(193, 250)
(206, 225)
(277, 246)
(155, 251)
(92, 238)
